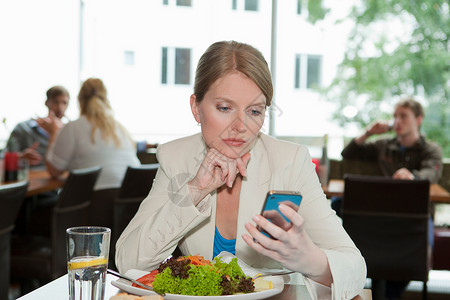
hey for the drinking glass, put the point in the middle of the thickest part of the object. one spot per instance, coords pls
(11, 162)
(87, 261)
(23, 169)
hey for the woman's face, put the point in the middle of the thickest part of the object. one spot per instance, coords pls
(231, 114)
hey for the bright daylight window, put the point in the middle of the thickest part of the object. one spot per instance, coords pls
(182, 66)
(299, 7)
(150, 95)
(184, 3)
(179, 2)
(129, 58)
(308, 71)
(175, 66)
(314, 71)
(251, 5)
(164, 65)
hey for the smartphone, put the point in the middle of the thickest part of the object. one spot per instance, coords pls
(271, 212)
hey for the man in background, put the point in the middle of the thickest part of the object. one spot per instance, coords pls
(30, 137)
(407, 155)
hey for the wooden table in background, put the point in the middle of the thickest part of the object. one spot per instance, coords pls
(437, 193)
(39, 181)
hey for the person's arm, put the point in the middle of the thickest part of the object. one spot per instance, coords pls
(51, 124)
(142, 146)
(316, 245)
(344, 260)
(216, 170)
(19, 141)
(177, 203)
(60, 148)
(163, 219)
(431, 164)
(358, 148)
(54, 172)
(365, 151)
(31, 154)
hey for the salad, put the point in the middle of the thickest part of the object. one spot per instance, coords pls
(194, 275)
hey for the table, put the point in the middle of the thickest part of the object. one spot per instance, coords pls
(40, 181)
(437, 193)
(58, 289)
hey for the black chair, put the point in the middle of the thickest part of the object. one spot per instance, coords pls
(135, 187)
(101, 212)
(11, 199)
(44, 258)
(388, 221)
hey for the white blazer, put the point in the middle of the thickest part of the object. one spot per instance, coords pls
(167, 217)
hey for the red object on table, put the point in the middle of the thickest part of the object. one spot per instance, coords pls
(147, 279)
(316, 161)
(11, 165)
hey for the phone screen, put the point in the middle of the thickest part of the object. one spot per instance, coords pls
(271, 211)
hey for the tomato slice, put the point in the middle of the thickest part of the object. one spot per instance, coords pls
(147, 279)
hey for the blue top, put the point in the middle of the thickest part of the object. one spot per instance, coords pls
(223, 244)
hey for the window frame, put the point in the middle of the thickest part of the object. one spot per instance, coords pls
(302, 72)
(171, 68)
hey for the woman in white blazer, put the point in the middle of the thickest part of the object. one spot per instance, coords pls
(210, 188)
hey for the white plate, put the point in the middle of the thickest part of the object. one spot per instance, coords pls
(278, 285)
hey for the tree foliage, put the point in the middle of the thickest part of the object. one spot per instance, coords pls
(396, 48)
(316, 11)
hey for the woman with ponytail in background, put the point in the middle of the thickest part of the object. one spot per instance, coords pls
(94, 139)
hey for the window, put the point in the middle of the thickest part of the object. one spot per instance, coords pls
(314, 71)
(251, 5)
(164, 65)
(248, 5)
(299, 7)
(308, 71)
(297, 71)
(129, 58)
(184, 3)
(234, 4)
(179, 2)
(182, 66)
(175, 66)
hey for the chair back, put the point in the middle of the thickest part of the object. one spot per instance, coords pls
(136, 185)
(388, 221)
(11, 199)
(71, 210)
(138, 181)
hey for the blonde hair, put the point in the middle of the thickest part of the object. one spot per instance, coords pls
(95, 105)
(224, 57)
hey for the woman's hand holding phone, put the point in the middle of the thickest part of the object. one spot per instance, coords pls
(292, 248)
(271, 211)
(277, 218)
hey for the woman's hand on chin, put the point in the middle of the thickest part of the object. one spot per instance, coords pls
(216, 170)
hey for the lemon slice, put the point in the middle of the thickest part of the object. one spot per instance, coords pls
(87, 262)
(262, 285)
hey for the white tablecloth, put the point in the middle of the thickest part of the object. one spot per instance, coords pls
(60, 287)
